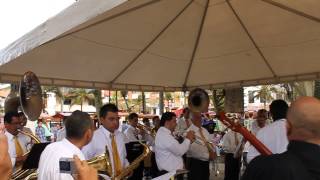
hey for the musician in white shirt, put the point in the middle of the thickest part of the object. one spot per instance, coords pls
(108, 136)
(231, 140)
(167, 149)
(258, 124)
(17, 143)
(132, 132)
(79, 130)
(273, 136)
(199, 154)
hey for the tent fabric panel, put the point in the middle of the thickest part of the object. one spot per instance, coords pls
(70, 58)
(235, 67)
(53, 27)
(134, 30)
(155, 71)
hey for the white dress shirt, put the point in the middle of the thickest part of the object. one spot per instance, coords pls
(198, 149)
(273, 136)
(231, 140)
(254, 130)
(168, 151)
(132, 134)
(49, 168)
(23, 140)
(182, 126)
(101, 139)
(61, 134)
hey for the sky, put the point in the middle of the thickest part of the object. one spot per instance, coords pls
(18, 17)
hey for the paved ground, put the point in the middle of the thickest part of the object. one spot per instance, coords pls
(216, 170)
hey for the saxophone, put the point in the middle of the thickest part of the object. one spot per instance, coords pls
(103, 163)
(134, 164)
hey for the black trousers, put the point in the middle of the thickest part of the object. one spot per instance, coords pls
(198, 169)
(154, 167)
(232, 167)
(178, 177)
(137, 173)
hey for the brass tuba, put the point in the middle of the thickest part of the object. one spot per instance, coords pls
(25, 173)
(29, 99)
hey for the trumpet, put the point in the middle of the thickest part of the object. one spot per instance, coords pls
(203, 142)
(150, 131)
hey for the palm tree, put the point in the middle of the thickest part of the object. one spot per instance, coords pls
(265, 93)
(79, 96)
(304, 88)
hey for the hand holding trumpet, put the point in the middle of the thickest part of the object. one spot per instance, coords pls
(191, 136)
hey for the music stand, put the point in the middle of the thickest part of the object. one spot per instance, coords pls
(33, 158)
(134, 150)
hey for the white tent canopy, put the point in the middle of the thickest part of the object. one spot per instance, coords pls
(171, 44)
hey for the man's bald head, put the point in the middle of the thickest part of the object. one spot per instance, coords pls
(304, 118)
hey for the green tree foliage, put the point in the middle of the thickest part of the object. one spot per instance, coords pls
(217, 98)
(79, 96)
(265, 93)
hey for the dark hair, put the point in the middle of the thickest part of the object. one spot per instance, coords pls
(8, 117)
(77, 124)
(167, 116)
(262, 111)
(185, 110)
(132, 116)
(155, 117)
(107, 108)
(278, 109)
(21, 114)
(145, 120)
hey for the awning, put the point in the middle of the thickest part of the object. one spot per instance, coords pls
(171, 45)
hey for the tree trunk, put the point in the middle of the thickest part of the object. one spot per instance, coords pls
(97, 100)
(62, 103)
(317, 89)
(289, 91)
(161, 107)
(117, 98)
(143, 102)
(124, 94)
